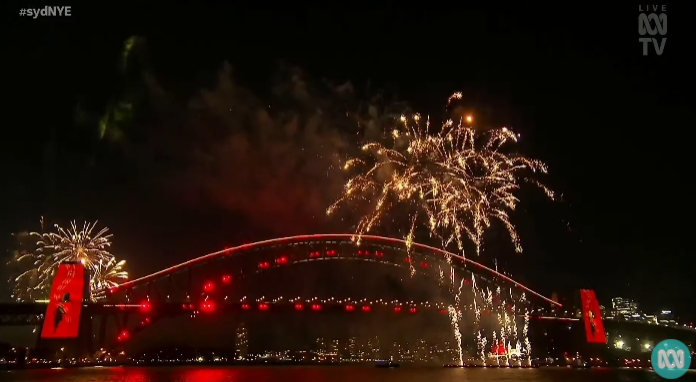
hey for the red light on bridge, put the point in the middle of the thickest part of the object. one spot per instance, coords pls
(423, 264)
(397, 309)
(208, 287)
(282, 260)
(443, 311)
(316, 307)
(379, 254)
(190, 306)
(360, 253)
(112, 290)
(263, 306)
(184, 306)
(350, 308)
(245, 306)
(366, 308)
(314, 255)
(123, 336)
(226, 279)
(207, 306)
(408, 260)
(298, 306)
(331, 253)
(145, 307)
(264, 265)
(412, 310)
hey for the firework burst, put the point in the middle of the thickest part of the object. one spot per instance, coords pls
(455, 181)
(73, 244)
(109, 274)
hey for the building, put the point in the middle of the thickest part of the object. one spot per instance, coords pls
(624, 308)
(241, 347)
(371, 348)
(666, 317)
(353, 350)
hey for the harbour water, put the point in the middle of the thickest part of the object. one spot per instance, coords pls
(332, 374)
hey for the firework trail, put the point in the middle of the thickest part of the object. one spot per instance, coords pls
(455, 315)
(525, 330)
(71, 244)
(454, 319)
(483, 341)
(454, 181)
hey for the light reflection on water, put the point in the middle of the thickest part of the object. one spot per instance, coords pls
(330, 374)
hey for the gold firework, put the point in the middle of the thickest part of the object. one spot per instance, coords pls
(108, 274)
(454, 181)
(38, 265)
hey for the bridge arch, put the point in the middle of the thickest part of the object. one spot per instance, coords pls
(337, 239)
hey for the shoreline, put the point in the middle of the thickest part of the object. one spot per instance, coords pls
(10, 367)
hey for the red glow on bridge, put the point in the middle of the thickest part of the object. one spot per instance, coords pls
(226, 279)
(208, 306)
(282, 260)
(397, 309)
(208, 287)
(350, 308)
(316, 307)
(122, 336)
(263, 306)
(145, 307)
(299, 306)
(366, 308)
(330, 253)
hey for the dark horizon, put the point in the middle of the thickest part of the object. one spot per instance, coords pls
(606, 119)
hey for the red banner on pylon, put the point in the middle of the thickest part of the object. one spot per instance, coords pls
(592, 315)
(62, 319)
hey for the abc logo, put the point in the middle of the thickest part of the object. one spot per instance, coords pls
(670, 359)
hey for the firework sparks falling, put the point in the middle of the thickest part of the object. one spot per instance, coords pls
(454, 319)
(525, 330)
(454, 181)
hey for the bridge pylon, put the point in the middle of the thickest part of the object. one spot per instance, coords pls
(66, 331)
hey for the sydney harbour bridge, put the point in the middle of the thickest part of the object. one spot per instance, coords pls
(492, 307)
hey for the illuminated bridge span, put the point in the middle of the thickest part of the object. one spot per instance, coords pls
(33, 314)
(294, 250)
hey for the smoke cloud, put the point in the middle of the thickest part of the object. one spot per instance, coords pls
(273, 159)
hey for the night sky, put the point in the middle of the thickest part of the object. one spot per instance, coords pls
(614, 127)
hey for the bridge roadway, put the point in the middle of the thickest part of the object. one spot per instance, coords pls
(32, 313)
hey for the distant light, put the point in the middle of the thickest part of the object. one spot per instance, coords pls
(469, 118)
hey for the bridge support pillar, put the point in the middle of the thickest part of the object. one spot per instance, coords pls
(67, 328)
